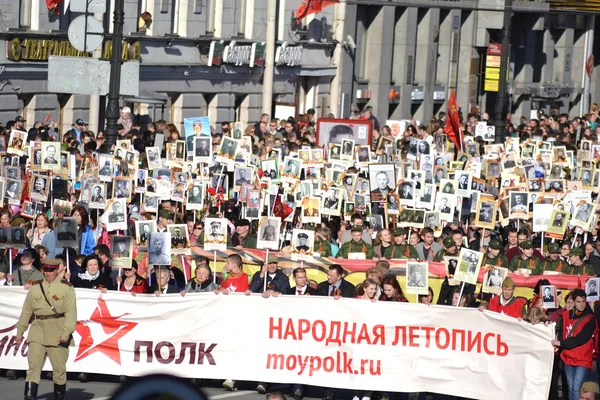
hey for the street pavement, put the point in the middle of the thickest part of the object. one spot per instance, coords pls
(102, 387)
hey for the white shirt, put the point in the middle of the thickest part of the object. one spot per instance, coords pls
(300, 291)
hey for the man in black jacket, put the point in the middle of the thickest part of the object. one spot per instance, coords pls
(165, 287)
(302, 287)
(277, 280)
(336, 285)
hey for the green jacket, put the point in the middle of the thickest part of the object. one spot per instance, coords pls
(46, 332)
(400, 251)
(356, 247)
(584, 269)
(549, 265)
(323, 247)
(499, 261)
(518, 262)
(439, 257)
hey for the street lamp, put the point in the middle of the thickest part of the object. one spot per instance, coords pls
(112, 108)
(502, 98)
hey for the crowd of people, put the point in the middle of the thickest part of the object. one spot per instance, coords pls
(413, 194)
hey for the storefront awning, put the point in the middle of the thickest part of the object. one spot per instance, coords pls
(147, 97)
(318, 71)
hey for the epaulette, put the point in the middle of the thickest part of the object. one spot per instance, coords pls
(66, 282)
(36, 282)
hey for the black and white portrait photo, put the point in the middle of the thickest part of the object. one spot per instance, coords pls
(39, 188)
(180, 242)
(363, 155)
(335, 152)
(382, 180)
(393, 204)
(518, 205)
(492, 280)
(548, 293)
(270, 168)
(432, 220)
(17, 237)
(153, 155)
(97, 196)
(121, 251)
(242, 175)
(302, 244)
(485, 214)
(202, 148)
(347, 149)
(215, 234)
(591, 289)
(583, 215)
(50, 155)
(66, 233)
(150, 203)
(268, 233)
(291, 168)
(227, 150)
(117, 218)
(143, 229)
(417, 277)
(407, 192)
(159, 248)
(331, 203)
(13, 189)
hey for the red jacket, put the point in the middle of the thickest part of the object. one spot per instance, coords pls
(514, 308)
(578, 342)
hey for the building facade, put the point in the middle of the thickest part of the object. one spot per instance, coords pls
(207, 57)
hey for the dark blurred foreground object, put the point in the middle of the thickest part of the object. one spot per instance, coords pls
(164, 387)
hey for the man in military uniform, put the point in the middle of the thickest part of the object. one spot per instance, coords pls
(356, 245)
(117, 214)
(577, 265)
(64, 231)
(449, 250)
(400, 249)
(416, 277)
(242, 178)
(50, 308)
(106, 169)
(553, 261)
(121, 247)
(525, 259)
(493, 256)
(302, 239)
(177, 240)
(216, 232)
(157, 257)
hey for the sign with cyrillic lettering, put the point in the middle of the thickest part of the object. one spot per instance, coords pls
(319, 341)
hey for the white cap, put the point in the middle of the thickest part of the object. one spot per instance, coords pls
(126, 110)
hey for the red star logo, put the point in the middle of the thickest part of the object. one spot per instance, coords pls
(106, 329)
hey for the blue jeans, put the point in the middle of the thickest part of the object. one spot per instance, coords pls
(575, 378)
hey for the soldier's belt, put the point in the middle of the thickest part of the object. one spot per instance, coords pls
(54, 316)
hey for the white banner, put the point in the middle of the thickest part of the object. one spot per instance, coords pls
(316, 341)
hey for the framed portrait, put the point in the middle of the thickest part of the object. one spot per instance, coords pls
(202, 148)
(331, 203)
(180, 242)
(591, 289)
(121, 251)
(106, 168)
(16, 143)
(407, 193)
(154, 159)
(363, 155)
(143, 229)
(140, 180)
(270, 168)
(302, 243)
(427, 197)
(445, 204)
(432, 221)
(268, 233)
(311, 212)
(51, 156)
(335, 152)
(493, 278)
(382, 179)
(117, 214)
(557, 224)
(392, 204)
(347, 150)
(3, 145)
(215, 234)
(40, 186)
(330, 130)
(548, 293)
(195, 196)
(469, 262)
(227, 150)
(485, 216)
(583, 215)
(519, 206)
(67, 233)
(417, 277)
(292, 167)
(463, 180)
(451, 266)
(12, 191)
(35, 156)
(122, 188)
(159, 248)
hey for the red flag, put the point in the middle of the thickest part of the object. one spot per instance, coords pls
(452, 128)
(312, 7)
(281, 209)
(48, 119)
(579, 284)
